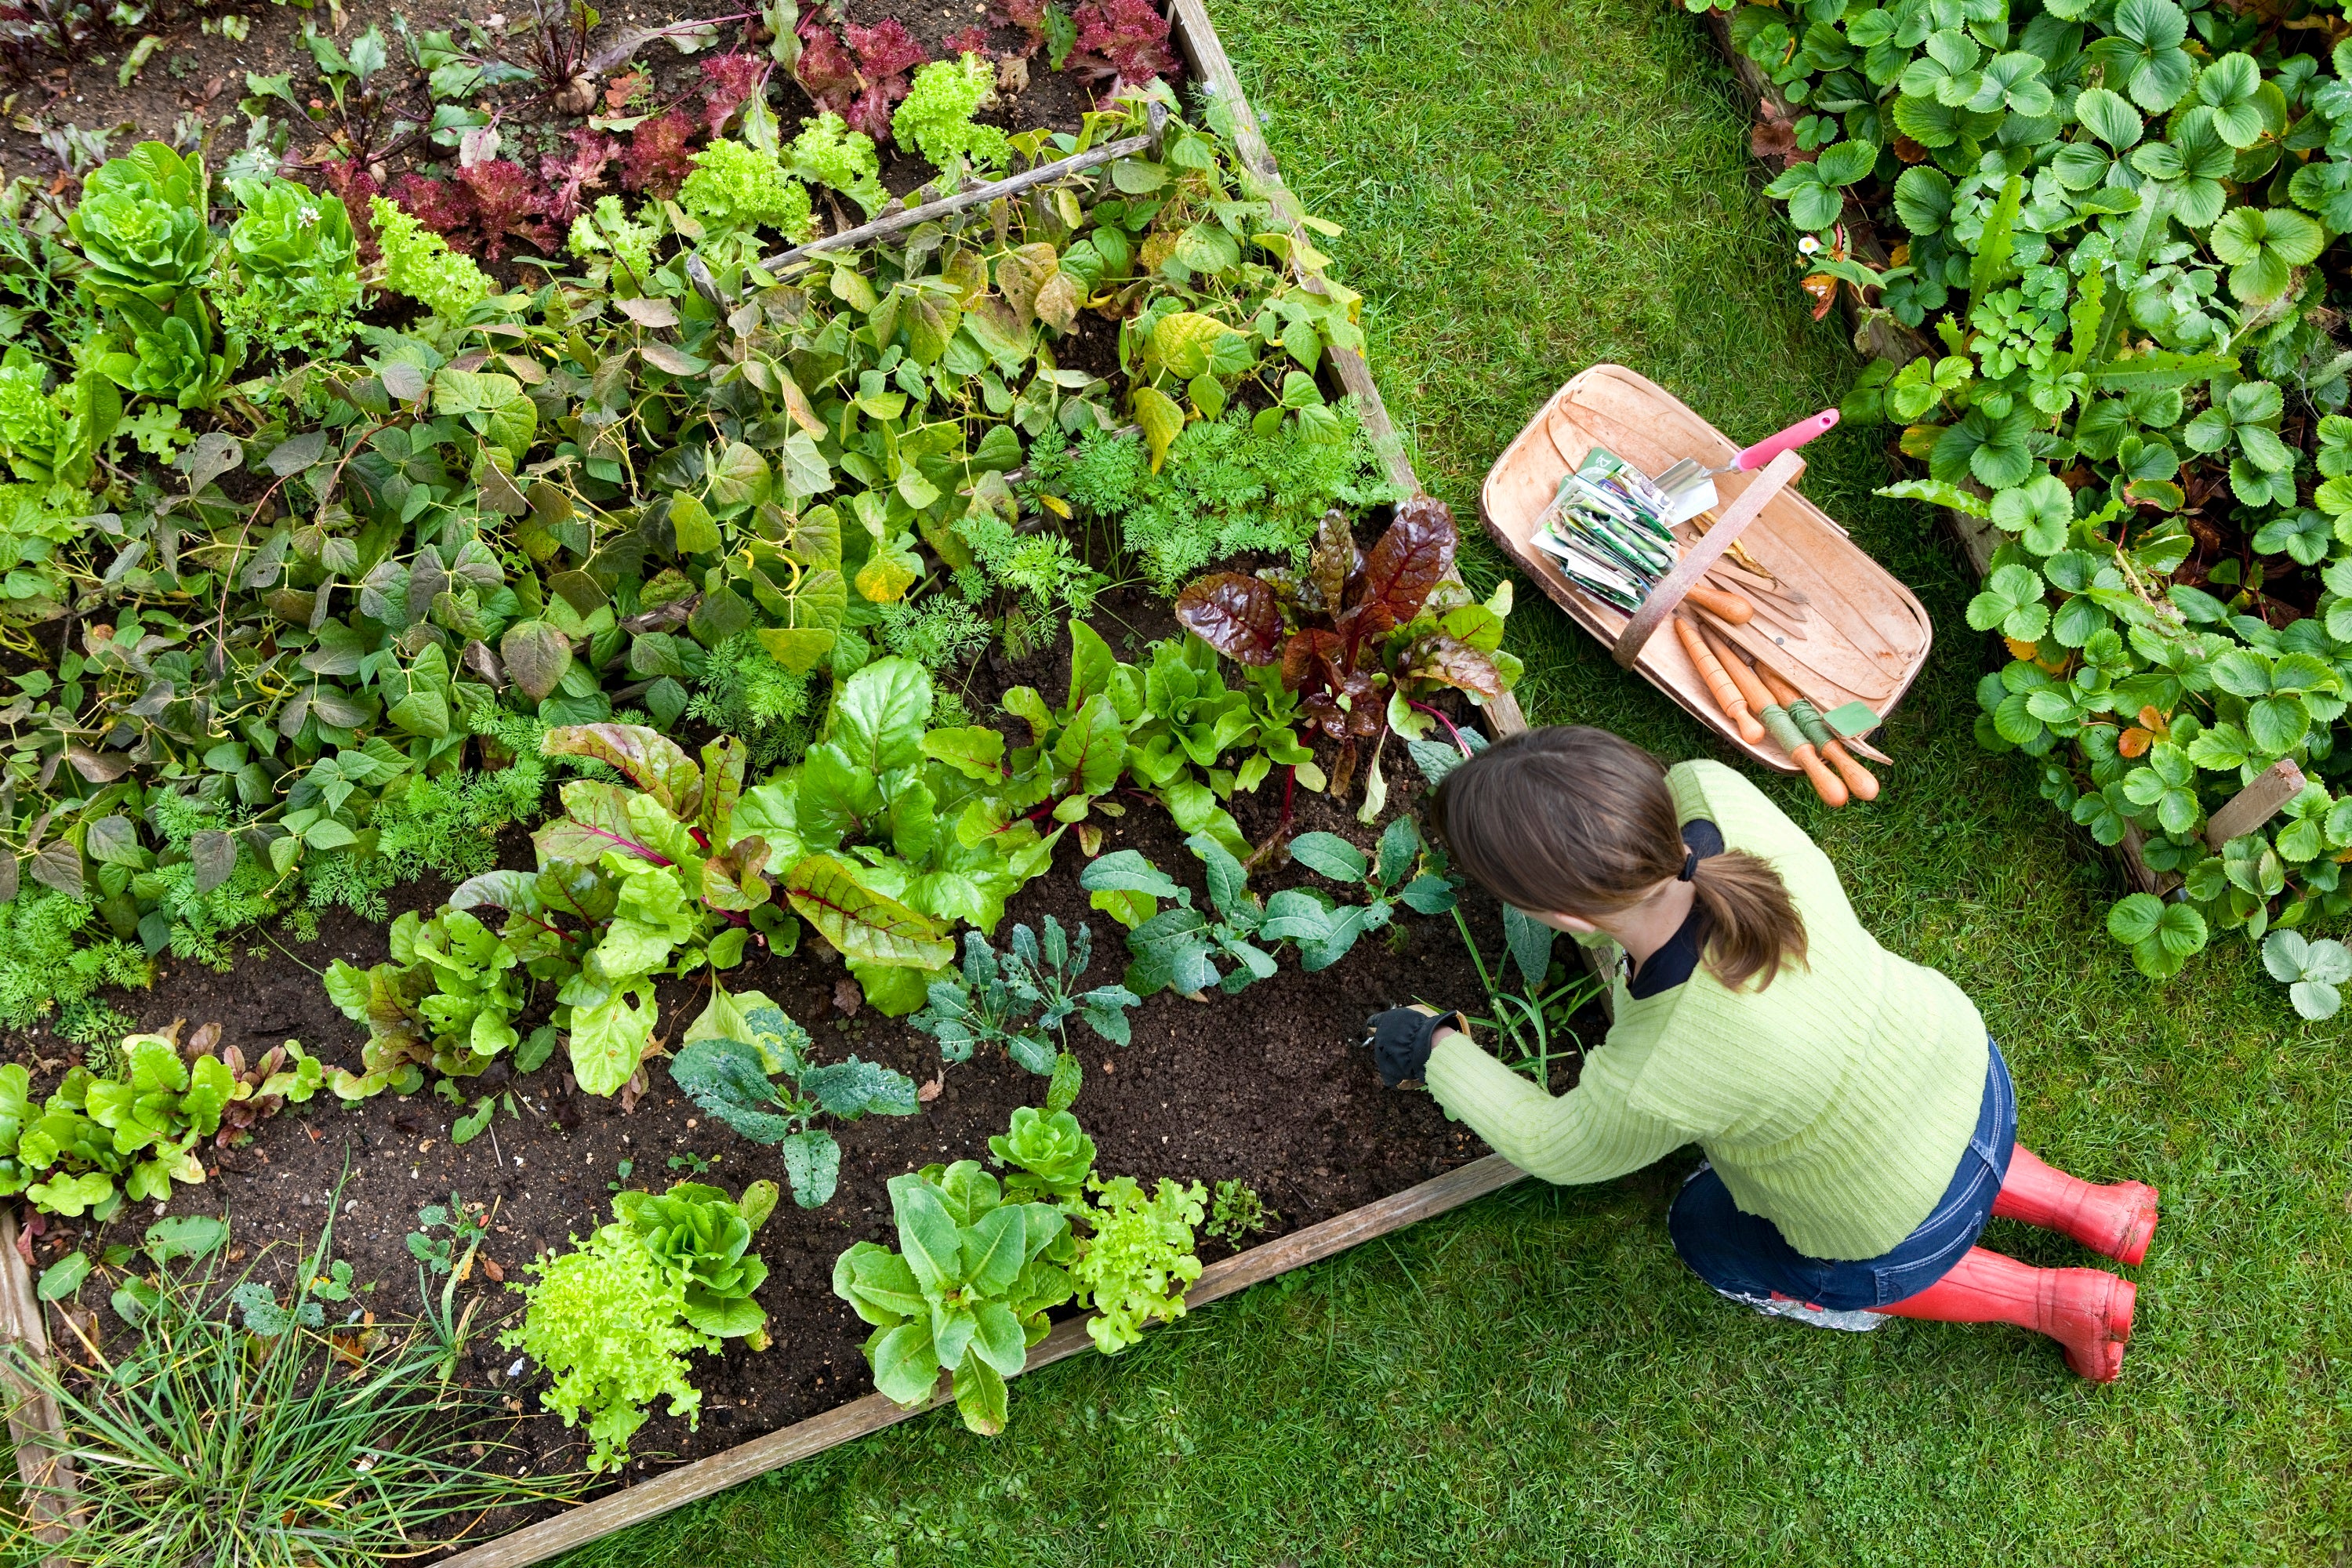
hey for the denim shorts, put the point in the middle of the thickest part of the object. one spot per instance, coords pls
(1745, 1256)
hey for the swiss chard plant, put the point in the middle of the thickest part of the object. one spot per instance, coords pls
(635, 880)
(1023, 1003)
(1361, 634)
(888, 833)
(747, 1064)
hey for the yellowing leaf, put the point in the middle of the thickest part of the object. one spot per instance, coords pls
(1161, 419)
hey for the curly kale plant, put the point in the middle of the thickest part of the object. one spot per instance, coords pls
(292, 283)
(1324, 927)
(1180, 949)
(701, 1238)
(746, 1064)
(1023, 1001)
(936, 118)
(966, 1294)
(140, 225)
(607, 1322)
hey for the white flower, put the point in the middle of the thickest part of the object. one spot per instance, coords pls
(308, 216)
(1806, 246)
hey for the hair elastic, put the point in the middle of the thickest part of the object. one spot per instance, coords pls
(1690, 866)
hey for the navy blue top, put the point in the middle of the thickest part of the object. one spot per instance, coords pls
(1675, 963)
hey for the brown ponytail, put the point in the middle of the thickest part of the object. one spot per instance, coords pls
(1572, 820)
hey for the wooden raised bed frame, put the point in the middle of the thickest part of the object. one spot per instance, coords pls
(33, 1422)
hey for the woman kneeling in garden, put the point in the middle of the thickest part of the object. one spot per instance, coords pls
(1860, 1127)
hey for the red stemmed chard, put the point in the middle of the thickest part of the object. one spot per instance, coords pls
(1360, 634)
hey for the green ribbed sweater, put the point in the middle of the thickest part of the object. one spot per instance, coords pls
(1836, 1103)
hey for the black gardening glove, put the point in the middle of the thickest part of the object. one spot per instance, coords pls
(1401, 1039)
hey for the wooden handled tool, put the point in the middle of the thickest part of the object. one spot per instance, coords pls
(1777, 723)
(1718, 680)
(1858, 779)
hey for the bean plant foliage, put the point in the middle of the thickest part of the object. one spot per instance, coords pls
(2112, 229)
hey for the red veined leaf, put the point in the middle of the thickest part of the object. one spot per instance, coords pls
(1236, 614)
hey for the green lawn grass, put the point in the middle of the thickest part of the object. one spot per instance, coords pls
(1530, 187)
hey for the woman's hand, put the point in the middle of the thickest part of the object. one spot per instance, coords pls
(1403, 1037)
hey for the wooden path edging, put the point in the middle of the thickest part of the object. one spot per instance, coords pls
(689, 1483)
(35, 1430)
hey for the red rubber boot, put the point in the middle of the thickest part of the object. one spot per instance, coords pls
(2087, 1310)
(2118, 1219)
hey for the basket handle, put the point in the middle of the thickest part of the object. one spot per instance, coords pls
(1777, 476)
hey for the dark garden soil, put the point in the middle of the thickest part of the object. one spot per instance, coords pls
(1270, 1086)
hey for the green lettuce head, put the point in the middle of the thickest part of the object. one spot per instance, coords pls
(31, 424)
(140, 225)
(291, 270)
(169, 358)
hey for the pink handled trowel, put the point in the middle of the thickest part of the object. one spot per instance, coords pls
(1691, 489)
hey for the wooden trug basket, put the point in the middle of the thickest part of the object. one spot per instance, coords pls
(1866, 635)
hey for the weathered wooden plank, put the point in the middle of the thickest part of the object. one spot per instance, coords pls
(651, 1498)
(35, 1428)
(2256, 804)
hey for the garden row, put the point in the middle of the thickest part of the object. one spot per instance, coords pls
(2097, 243)
(775, 594)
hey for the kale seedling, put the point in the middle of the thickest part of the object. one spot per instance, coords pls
(1179, 949)
(446, 1254)
(1324, 927)
(1023, 1002)
(747, 1064)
